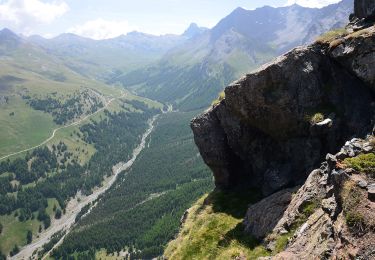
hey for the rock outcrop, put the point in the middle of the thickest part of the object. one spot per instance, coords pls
(275, 205)
(331, 216)
(265, 133)
(275, 127)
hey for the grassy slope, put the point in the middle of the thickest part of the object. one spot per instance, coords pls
(34, 72)
(26, 128)
(213, 230)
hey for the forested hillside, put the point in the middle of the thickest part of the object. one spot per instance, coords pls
(147, 202)
(37, 187)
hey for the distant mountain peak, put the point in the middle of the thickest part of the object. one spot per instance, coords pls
(7, 32)
(193, 30)
(9, 36)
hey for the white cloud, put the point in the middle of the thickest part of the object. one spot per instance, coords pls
(313, 3)
(102, 29)
(25, 14)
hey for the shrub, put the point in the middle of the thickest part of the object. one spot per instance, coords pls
(363, 163)
(219, 99)
(316, 118)
(331, 35)
(355, 219)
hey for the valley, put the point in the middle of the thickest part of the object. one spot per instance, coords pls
(75, 205)
(97, 156)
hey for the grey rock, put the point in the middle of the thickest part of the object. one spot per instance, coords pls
(357, 54)
(331, 159)
(368, 147)
(259, 135)
(362, 184)
(364, 9)
(330, 206)
(371, 192)
(263, 216)
(341, 156)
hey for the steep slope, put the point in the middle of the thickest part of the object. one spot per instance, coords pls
(269, 133)
(192, 74)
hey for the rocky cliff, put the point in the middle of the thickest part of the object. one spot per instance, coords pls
(276, 125)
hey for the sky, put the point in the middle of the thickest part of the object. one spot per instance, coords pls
(102, 19)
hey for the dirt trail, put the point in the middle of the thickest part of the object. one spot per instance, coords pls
(62, 127)
(75, 205)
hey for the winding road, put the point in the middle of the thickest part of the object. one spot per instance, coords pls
(62, 127)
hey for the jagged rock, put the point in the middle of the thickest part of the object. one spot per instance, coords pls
(362, 184)
(331, 159)
(364, 9)
(330, 206)
(371, 192)
(326, 234)
(357, 54)
(262, 217)
(313, 189)
(341, 156)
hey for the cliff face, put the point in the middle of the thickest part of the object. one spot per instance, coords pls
(268, 131)
(364, 9)
(277, 125)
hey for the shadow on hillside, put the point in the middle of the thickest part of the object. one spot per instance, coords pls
(234, 203)
(239, 234)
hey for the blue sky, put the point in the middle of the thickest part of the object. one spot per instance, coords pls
(109, 18)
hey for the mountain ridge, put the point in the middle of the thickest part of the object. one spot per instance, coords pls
(239, 43)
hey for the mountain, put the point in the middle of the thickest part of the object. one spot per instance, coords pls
(292, 149)
(194, 30)
(101, 59)
(192, 74)
(9, 39)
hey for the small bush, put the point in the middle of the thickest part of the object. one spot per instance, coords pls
(352, 196)
(219, 99)
(363, 163)
(332, 35)
(355, 220)
(316, 118)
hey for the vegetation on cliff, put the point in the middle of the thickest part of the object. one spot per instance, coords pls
(213, 229)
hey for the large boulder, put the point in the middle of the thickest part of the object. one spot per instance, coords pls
(262, 217)
(262, 136)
